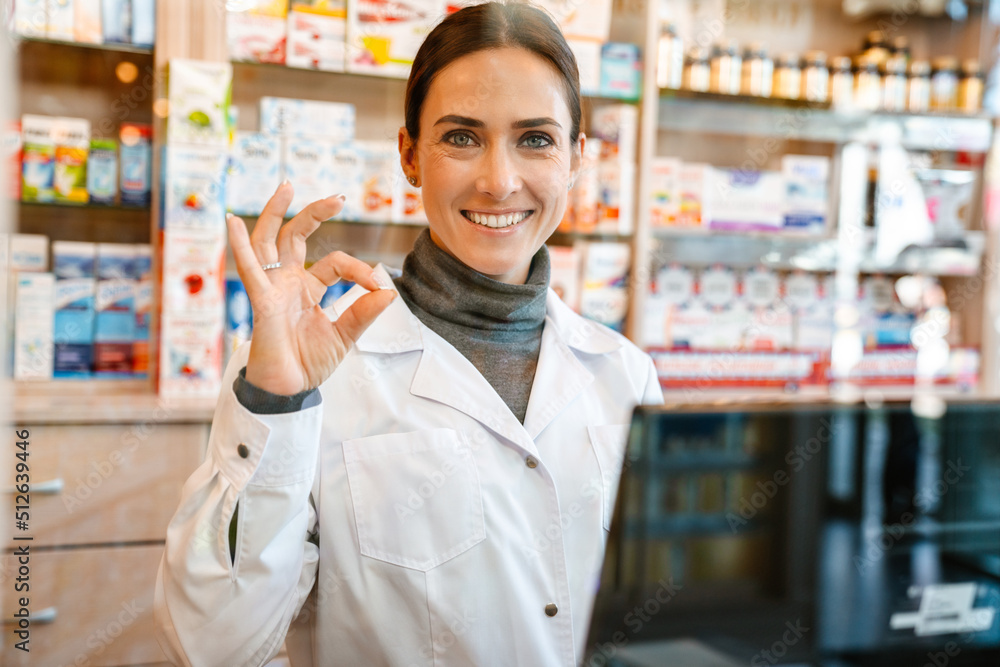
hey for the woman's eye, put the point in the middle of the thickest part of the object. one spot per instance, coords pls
(460, 139)
(537, 141)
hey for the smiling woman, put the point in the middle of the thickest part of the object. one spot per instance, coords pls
(435, 469)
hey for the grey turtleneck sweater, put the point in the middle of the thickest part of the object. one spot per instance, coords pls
(495, 325)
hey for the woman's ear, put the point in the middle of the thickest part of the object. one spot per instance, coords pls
(576, 159)
(408, 157)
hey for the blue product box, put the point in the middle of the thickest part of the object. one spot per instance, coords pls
(114, 328)
(116, 21)
(143, 22)
(621, 70)
(74, 266)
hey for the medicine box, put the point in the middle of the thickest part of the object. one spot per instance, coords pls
(290, 117)
(807, 199)
(33, 326)
(102, 171)
(383, 36)
(116, 20)
(74, 265)
(87, 21)
(199, 95)
(317, 37)
(29, 252)
(746, 199)
(30, 17)
(347, 178)
(114, 328)
(72, 140)
(194, 187)
(59, 24)
(306, 163)
(255, 38)
(664, 207)
(254, 172)
(38, 158)
(136, 163)
(142, 270)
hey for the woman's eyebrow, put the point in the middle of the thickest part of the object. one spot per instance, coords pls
(517, 125)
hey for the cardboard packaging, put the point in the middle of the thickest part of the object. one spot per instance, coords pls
(380, 171)
(194, 187)
(289, 117)
(347, 178)
(59, 20)
(114, 329)
(383, 35)
(72, 139)
(306, 163)
(621, 69)
(807, 199)
(604, 296)
(136, 163)
(143, 273)
(102, 171)
(254, 173)
(74, 266)
(116, 21)
(664, 209)
(200, 94)
(31, 17)
(317, 37)
(33, 325)
(38, 158)
(692, 185)
(255, 38)
(746, 200)
(87, 21)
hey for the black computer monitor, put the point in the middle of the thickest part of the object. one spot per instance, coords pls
(835, 535)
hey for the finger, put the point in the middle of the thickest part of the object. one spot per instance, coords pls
(353, 322)
(269, 222)
(337, 265)
(247, 263)
(292, 237)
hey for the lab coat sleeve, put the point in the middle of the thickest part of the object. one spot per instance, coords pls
(653, 394)
(208, 609)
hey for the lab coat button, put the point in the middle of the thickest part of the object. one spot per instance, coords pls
(531, 462)
(551, 609)
(243, 451)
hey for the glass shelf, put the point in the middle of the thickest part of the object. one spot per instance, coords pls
(744, 116)
(108, 46)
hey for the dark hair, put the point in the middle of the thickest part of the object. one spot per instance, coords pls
(492, 25)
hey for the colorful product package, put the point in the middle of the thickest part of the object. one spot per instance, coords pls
(136, 163)
(10, 153)
(59, 20)
(191, 354)
(87, 21)
(617, 127)
(807, 184)
(194, 187)
(254, 172)
(200, 94)
(383, 35)
(142, 272)
(38, 158)
(255, 38)
(114, 329)
(102, 171)
(347, 177)
(74, 265)
(306, 163)
(33, 325)
(30, 17)
(72, 139)
(193, 270)
(770, 319)
(664, 209)
(621, 69)
(276, 8)
(288, 117)
(317, 37)
(143, 22)
(586, 192)
(604, 296)
(692, 186)
(380, 159)
(116, 21)
(746, 200)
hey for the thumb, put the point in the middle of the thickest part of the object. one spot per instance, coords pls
(353, 322)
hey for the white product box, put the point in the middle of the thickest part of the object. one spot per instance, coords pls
(692, 185)
(347, 178)
(380, 171)
(34, 317)
(306, 163)
(193, 270)
(191, 354)
(29, 252)
(254, 172)
(564, 276)
(746, 199)
(589, 19)
(604, 297)
(30, 17)
(199, 102)
(256, 38)
(38, 158)
(616, 181)
(672, 288)
(194, 187)
(59, 24)
(588, 59)
(143, 22)
(383, 36)
(74, 259)
(289, 117)
(317, 39)
(664, 207)
(617, 126)
(116, 20)
(87, 21)
(807, 184)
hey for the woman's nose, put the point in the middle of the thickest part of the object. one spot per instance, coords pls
(498, 177)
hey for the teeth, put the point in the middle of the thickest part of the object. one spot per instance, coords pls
(496, 221)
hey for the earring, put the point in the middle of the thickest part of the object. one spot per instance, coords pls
(412, 180)
(570, 186)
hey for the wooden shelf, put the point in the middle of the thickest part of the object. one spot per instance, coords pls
(101, 401)
(107, 46)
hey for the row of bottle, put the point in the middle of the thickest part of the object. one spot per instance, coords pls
(874, 80)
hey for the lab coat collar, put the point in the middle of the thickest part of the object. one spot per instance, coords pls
(577, 331)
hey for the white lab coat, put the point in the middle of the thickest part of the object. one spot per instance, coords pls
(435, 527)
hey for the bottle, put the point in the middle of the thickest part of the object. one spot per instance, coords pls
(875, 47)
(758, 72)
(697, 71)
(894, 84)
(841, 83)
(944, 83)
(815, 77)
(670, 58)
(867, 84)
(725, 70)
(787, 77)
(918, 91)
(970, 88)
(900, 46)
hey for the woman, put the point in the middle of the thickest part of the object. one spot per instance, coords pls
(437, 466)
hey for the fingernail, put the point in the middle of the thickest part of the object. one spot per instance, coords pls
(341, 197)
(285, 182)
(381, 281)
(229, 216)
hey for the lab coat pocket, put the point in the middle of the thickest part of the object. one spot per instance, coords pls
(417, 498)
(608, 442)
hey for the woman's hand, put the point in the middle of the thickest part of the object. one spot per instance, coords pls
(295, 346)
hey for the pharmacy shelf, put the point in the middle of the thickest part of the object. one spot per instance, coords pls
(107, 46)
(760, 397)
(820, 253)
(57, 206)
(742, 116)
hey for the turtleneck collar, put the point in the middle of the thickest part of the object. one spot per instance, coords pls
(436, 284)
